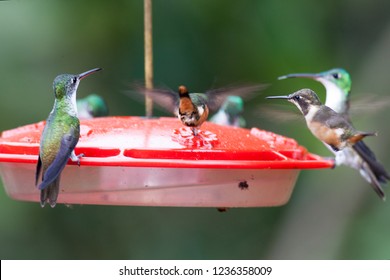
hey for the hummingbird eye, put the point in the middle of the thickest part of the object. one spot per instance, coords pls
(336, 75)
(74, 80)
(297, 97)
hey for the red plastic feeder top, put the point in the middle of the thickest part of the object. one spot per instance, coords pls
(158, 162)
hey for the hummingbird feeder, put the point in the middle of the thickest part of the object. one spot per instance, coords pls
(158, 162)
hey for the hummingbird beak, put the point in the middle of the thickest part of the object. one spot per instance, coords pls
(89, 72)
(278, 97)
(300, 75)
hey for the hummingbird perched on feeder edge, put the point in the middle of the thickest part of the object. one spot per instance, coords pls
(327, 125)
(60, 136)
(92, 106)
(193, 108)
(230, 113)
(337, 83)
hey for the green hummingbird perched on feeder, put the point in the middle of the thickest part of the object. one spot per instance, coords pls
(230, 113)
(193, 109)
(337, 83)
(327, 125)
(92, 106)
(60, 136)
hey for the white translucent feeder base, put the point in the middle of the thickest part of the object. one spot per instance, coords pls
(189, 187)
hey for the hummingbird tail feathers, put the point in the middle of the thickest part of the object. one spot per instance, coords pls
(360, 135)
(369, 157)
(50, 193)
(369, 175)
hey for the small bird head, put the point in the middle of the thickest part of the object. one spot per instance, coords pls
(233, 105)
(304, 99)
(337, 76)
(66, 84)
(183, 91)
(92, 106)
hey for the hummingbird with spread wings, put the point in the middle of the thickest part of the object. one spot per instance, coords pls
(193, 108)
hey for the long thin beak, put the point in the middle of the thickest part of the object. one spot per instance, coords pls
(278, 97)
(300, 75)
(89, 72)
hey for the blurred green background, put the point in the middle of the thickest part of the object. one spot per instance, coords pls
(333, 214)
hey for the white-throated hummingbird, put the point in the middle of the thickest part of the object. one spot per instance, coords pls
(337, 83)
(60, 136)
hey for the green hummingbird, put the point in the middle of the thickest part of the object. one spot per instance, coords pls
(60, 136)
(92, 106)
(337, 83)
(327, 125)
(230, 113)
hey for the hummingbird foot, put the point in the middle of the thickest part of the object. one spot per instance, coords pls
(195, 131)
(76, 158)
(334, 160)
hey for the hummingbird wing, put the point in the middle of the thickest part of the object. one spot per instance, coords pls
(280, 113)
(165, 98)
(332, 119)
(369, 157)
(199, 99)
(168, 100)
(215, 97)
(367, 104)
(68, 143)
